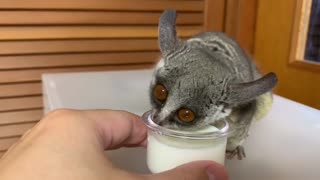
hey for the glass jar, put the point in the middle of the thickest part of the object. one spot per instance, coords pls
(168, 148)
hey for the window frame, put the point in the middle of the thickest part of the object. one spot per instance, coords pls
(299, 36)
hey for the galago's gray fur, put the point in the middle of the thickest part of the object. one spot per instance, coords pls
(213, 77)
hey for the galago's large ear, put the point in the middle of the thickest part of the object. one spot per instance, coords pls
(245, 92)
(168, 41)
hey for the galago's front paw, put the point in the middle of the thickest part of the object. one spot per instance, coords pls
(239, 151)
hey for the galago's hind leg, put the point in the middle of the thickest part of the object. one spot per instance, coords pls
(239, 121)
(239, 151)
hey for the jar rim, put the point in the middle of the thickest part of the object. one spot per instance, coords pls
(148, 120)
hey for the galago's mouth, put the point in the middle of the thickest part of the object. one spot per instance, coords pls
(170, 124)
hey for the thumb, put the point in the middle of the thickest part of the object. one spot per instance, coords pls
(198, 170)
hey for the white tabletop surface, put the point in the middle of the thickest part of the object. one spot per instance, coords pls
(285, 145)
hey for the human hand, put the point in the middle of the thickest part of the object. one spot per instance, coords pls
(70, 144)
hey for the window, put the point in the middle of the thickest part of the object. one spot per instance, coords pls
(312, 50)
(305, 44)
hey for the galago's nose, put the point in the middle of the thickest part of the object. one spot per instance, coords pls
(155, 116)
(163, 116)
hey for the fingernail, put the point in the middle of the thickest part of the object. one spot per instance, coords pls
(210, 173)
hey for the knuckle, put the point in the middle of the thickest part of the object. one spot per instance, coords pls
(60, 112)
(59, 116)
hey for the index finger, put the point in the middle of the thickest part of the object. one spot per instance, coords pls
(118, 128)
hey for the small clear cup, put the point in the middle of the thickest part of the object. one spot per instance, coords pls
(168, 148)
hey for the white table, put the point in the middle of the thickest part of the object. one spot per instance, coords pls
(285, 145)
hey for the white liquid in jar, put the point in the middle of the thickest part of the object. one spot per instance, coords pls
(165, 153)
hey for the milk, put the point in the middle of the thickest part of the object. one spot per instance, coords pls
(167, 152)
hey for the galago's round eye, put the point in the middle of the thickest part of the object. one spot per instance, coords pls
(160, 92)
(186, 115)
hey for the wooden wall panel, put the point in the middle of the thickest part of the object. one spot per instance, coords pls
(214, 15)
(34, 75)
(7, 142)
(14, 130)
(47, 36)
(10, 104)
(240, 22)
(21, 89)
(274, 41)
(232, 9)
(77, 32)
(24, 116)
(92, 17)
(76, 46)
(113, 5)
(66, 60)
